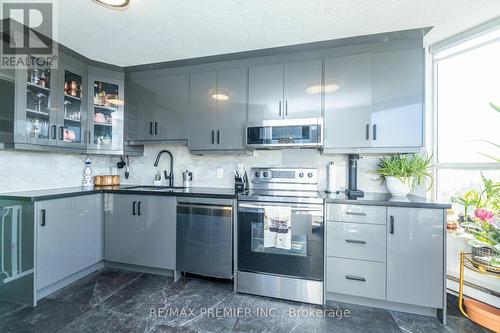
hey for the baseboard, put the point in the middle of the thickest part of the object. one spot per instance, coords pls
(68, 280)
(138, 268)
(364, 301)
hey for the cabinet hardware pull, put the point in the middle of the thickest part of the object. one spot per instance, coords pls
(367, 132)
(150, 128)
(54, 132)
(61, 133)
(355, 241)
(391, 224)
(139, 208)
(90, 135)
(213, 140)
(355, 278)
(218, 137)
(133, 208)
(355, 213)
(279, 108)
(375, 132)
(286, 108)
(84, 136)
(43, 217)
(156, 128)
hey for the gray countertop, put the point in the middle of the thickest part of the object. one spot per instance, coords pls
(37, 195)
(385, 199)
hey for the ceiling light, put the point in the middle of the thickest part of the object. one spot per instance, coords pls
(220, 97)
(113, 3)
(317, 89)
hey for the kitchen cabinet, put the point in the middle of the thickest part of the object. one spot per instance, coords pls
(218, 110)
(397, 98)
(374, 102)
(160, 105)
(415, 256)
(105, 116)
(140, 230)
(69, 233)
(347, 115)
(285, 91)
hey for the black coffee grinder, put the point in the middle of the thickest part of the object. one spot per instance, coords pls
(352, 191)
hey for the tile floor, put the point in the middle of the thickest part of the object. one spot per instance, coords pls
(118, 301)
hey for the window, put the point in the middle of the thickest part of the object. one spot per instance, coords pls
(467, 80)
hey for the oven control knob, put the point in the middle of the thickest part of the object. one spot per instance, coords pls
(301, 174)
(257, 174)
(265, 174)
(310, 175)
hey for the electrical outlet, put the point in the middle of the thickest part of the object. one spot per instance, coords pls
(220, 172)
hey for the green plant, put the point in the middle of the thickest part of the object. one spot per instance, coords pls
(406, 167)
(469, 199)
(487, 197)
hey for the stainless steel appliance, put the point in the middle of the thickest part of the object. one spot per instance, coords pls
(187, 178)
(295, 273)
(205, 237)
(282, 133)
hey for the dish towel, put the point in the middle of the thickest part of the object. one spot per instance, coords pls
(278, 227)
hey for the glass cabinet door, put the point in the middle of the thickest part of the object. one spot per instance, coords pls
(106, 117)
(72, 109)
(38, 121)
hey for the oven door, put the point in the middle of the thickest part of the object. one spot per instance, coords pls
(303, 260)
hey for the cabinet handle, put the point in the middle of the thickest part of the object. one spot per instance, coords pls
(213, 133)
(61, 132)
(375, 132)
(279, 108)
(355, 213)
(139, 208)
(156, 128)
(43, 213)
(54, 132)
(355, 278)
(150, 128)
(367, 132)
(391, 227)
(355, 241)
(218, 137)
(286, 108)
(133, 208)
(90, 136)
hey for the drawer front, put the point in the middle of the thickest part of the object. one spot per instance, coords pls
(356, 241)
(356, 213)
(356, 277)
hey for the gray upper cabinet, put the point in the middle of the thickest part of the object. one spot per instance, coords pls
(415, 260)
(302, 89)
(397, 98)
(348, 94)
(201, 118)
(157, 107)
(291, 90)
(265, 92)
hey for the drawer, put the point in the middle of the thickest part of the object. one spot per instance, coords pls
(355, 277)
(356, 213)
(356, 241)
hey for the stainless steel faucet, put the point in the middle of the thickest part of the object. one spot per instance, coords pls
(170, 175)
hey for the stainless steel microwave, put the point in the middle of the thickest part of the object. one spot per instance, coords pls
(283, 133)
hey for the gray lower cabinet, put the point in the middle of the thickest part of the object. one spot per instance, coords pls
(140, 230)
(397, 256)
(415, 256)
(69, 233)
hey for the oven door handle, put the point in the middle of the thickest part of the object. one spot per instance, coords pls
(305, 208)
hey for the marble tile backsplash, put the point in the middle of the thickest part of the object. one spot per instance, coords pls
(23, 170)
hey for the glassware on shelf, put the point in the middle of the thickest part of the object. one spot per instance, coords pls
(40, 96)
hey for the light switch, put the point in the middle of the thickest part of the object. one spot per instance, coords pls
(220, 172)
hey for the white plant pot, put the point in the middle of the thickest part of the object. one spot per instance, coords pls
(397, 187)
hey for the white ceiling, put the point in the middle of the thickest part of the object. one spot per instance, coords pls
(162, 30)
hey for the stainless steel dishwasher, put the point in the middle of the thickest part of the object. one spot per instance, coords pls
(205, 237)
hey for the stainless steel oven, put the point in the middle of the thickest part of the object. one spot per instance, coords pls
(294, 273)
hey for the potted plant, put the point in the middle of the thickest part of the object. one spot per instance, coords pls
(403, 171)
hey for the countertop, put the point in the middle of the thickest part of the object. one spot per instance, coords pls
(385, 199)
(37, 195)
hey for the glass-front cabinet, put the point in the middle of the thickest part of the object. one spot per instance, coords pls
(106, 115)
